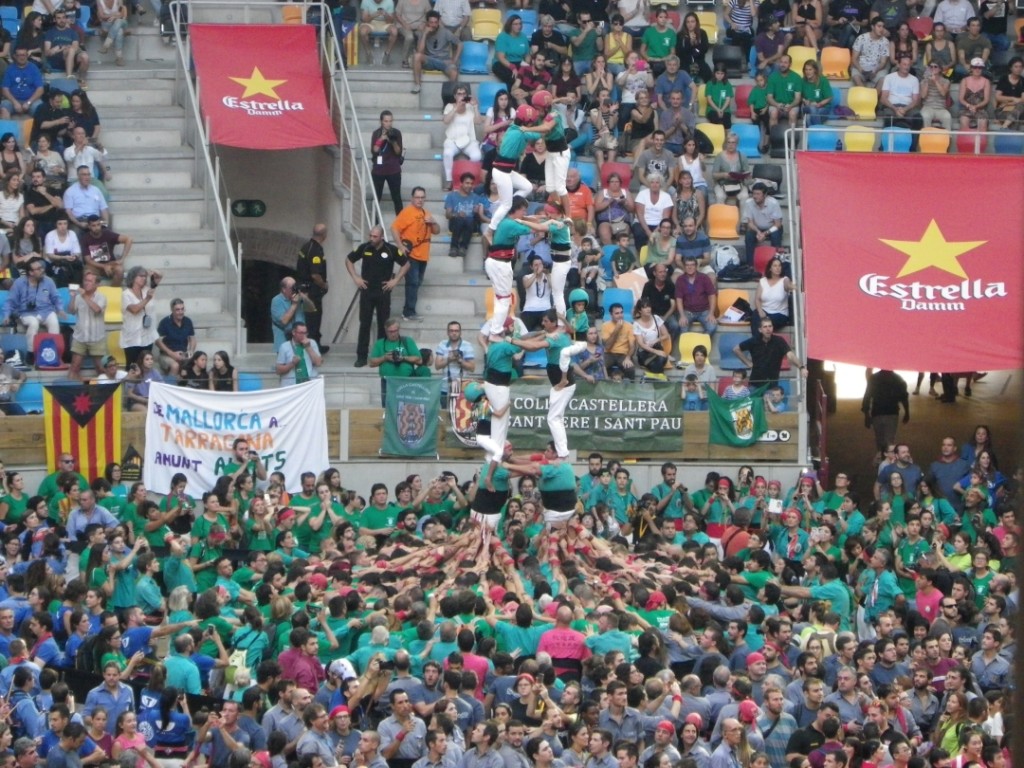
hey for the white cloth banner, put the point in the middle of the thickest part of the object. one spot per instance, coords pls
(191, 431)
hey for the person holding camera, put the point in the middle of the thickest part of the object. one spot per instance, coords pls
(244, 460)
(297, 360)
(460, 119)
(139, 329)
(287, 309)
(396, 355)
(454, 356)
(32, 302)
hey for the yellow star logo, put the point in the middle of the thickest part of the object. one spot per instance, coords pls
(933, 250)
(256, 83)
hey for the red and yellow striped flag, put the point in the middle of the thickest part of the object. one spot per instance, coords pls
(85, 421)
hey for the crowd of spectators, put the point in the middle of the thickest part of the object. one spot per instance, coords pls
(741, 624)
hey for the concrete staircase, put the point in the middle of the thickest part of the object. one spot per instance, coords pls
(154, 198)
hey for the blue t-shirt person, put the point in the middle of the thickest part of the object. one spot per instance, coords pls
(461, 206)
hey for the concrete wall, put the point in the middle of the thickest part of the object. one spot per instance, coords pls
(297, 186)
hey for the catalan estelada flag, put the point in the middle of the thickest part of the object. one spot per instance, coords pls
(85, 421)
(913, 262)
(261, 86)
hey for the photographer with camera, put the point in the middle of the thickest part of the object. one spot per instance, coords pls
(298, 359)
(396, 355)
(33, 302)
(288, 308)
(455, 357)
(244, 460)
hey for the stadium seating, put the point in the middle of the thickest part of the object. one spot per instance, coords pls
(249, 382)
(835, 62)
(485, 93)
(897, 139)
(858, 138)
(863, 102)
(474, 59)
(715, 133)
(535, 358)
(750, 138)
(606, 262)
(971, 143)
(625, 171)
(777, 141)
(292, 14)
(114, 346)
(65, 301)
(800, 55)
(702, 101)
(727, 360)
(762, 255)
(462, 166)
(588, 173)
(933, 141)
(485, 23)
(709, 23)
(742, 108)
(921, 27)
(689, 341)
(30, 394)
(726, 298)
(113, 314)
(822, 139)
(1008, 144)
(732, 57)
(723, 221)
(769, 172)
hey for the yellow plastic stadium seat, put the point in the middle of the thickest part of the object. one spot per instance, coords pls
(485, 23)
(835, 62)
(726, 298)
(723, 222)
(113, 313)
(933, 141)
(688, 342)
(702, 101)
(643, 256)
(715, 133)
(863, 102)
(800, 55)
(858, 138)
(291, 14)
(114, 345)
(709, 23)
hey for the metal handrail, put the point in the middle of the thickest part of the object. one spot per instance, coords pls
(354, 164)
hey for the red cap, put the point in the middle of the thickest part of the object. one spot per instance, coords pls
(696, 720)
(317, 580)
(753, 658)
(666, 725)
(341, 709)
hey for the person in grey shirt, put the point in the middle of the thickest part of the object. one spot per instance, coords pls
(368, 753)
(402, 735)
(511, 751)
(483, 754)
(437, 752)
(282, 716)
(316, 741)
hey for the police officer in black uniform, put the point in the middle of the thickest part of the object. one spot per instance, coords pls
(311, 276)
(375, 282)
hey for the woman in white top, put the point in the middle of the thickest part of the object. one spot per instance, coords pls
(537, 290)
(772, 297)
(138, 331)
(460, 119)
(63, 253)
(635, 78)
(634, 15)
(652, 205)
(693, 161)
(651, 334)
(12, 202)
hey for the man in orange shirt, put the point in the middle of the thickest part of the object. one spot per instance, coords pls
(581, 199)
(412, 230)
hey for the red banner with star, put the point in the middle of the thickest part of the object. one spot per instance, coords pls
(913, 262)
(85, 421)
(261, 85)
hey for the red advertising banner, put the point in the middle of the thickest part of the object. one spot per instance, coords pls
(914, 262)
(261, 85)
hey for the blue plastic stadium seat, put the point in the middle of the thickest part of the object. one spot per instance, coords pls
(588, 173)
(30, 396)
(535, 358)
(485, 93)
(474, 58)
(750, 138)
(727, 361)
(896, 139)
(822, 139)
(619, 296)
(249, 382)
(1008, 144)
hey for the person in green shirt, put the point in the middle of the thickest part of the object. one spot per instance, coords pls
(758, 573)
(213, 515)
(758, 103)
(623, 258)
(146, 589)
(720, 96)
(817, 95)
(242, 461)
(49, 487)
(204, 554)
(658, 42)
(909, 552)
(178, 569)
(122, 568)
(177, 504)
(315, 523)
(831, 590)
(106, 498)
(151, 525)
(380, 516)
(259, 527)
(785, 93)
(288, 548)
(13, 505)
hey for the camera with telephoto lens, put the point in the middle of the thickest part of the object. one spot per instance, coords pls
(396, 355)
(302, 287)
(456, 354)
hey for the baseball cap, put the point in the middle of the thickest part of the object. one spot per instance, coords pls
(753, 658)
(666, 725)
(977, 61)
(92, 217)
(317, 580)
